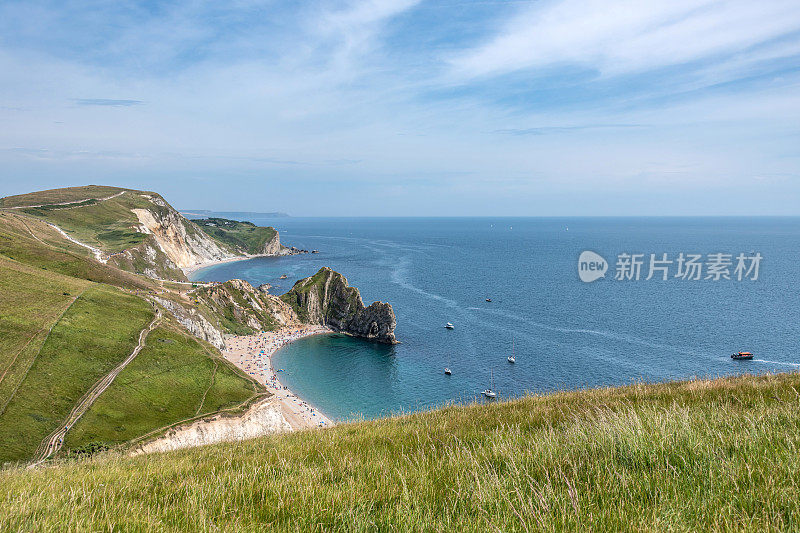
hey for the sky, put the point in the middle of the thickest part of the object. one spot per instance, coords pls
(409, 107)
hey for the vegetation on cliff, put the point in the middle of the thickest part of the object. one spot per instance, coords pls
(326, 299)
(690, 456)
(139, 231)
(244, 236)
(66, 319)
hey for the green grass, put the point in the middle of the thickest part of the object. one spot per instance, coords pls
(94, 335)
(31, 300)
(108, 225)
(49, 251)
(697, 456)
(242, 236)
(173, 378)
(57, 196)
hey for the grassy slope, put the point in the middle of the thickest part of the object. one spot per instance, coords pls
(94, 335)
(107, 225)
(31, 300)
(57, 196)
(32, 287)
(691, 456)
(48, 250)
(243, 236)
(111, 225)
(173, 378)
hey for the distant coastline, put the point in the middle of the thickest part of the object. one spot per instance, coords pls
(205, 213)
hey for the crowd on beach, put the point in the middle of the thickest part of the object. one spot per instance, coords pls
(253, 354)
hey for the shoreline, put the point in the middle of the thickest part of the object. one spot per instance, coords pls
(253, 355)
(188, 271)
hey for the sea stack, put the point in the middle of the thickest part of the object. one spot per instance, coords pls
(326, 299)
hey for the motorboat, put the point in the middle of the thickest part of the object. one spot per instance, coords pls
(449, 326)
(742, 355)
(447, 371)
(511, 359)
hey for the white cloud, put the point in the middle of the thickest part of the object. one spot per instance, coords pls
(623, 36)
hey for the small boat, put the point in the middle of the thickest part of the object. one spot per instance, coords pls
(488, 299)
(283, 276)
(742, 355)
(511, 359)
(449, 326)
(447, 371)
(490, 393)
(314, 251)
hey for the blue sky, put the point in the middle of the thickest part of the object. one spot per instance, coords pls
(409, 107)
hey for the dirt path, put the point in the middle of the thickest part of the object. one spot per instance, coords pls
(97, 252)
(53, 442)
(67, 203)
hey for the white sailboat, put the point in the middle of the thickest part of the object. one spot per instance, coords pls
(449, 326)
(511, 359)
(490, 393)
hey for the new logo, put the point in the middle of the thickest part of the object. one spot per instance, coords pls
(591, 266)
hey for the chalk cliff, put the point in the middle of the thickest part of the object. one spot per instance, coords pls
(182, 242)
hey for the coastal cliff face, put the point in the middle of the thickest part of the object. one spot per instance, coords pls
(263, 418)
(272, 246)
(239, 308)
(194, 321)
(183, 243)
(326, 299)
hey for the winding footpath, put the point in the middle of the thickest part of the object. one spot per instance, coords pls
(66, 203)
(53, 442)
(98, 253)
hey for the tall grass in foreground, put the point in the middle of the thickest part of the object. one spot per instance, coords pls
(699, 455)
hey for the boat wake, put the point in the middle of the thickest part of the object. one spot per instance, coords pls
(776, 362)
(599, 333)
(400, 277)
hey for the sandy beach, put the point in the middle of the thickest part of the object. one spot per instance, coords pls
(189, 270)
(253, 354)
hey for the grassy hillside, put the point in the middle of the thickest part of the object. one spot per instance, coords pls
(244, 236)
(32, 242)
(31, 301)
(97, 332)
(109, 225)
(174, 378)
(65, 321)
(60, 196)
(704, 455)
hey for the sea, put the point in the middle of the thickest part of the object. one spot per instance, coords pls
(566, 329)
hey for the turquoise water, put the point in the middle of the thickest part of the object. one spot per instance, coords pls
(567, 334)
